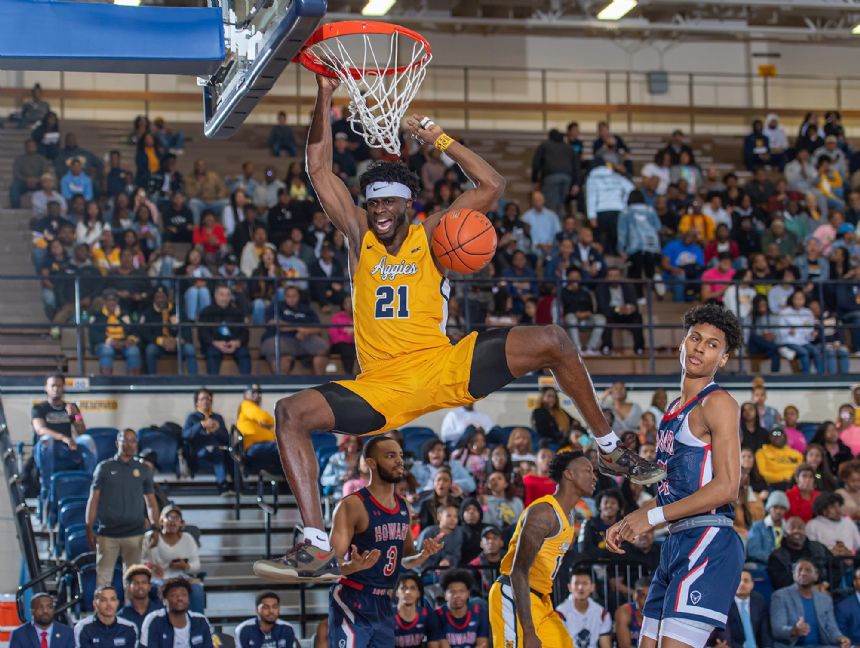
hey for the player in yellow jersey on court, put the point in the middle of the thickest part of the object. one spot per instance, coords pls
(521, 611)
(408, 365)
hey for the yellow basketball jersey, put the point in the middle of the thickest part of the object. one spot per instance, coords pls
(400, 302)
(551, 553)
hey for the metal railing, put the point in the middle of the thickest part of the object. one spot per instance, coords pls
(472, 295)
(532, 97)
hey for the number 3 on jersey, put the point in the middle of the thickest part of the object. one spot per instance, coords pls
(390, 561)
(386, 308)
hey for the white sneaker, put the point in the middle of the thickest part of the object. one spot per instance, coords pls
(788, 354)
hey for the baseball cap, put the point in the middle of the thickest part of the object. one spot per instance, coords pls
(231, 259)
(845, 228)
(491, 529)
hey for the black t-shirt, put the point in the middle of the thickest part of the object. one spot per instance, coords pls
(56, 419)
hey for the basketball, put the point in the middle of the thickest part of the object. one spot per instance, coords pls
(464, 241)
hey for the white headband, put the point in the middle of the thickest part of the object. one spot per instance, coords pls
(387, 190)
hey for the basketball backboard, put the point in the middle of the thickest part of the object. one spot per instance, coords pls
(261, 38)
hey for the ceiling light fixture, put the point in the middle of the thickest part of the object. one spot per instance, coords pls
(377, 7)
(617, 9)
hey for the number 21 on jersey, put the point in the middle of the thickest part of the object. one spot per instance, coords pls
(392, 302)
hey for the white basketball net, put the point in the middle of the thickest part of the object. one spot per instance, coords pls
(378, 100)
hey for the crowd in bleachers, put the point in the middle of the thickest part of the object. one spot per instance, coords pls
(799, 500)
(784, 229)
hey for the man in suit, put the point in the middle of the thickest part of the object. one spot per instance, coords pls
(42, 631)
(748, 625)
(800, 614)
(848, 613)
(616, 301)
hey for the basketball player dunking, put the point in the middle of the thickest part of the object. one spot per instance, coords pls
(373, 527)
(408, 365)
(698, 443)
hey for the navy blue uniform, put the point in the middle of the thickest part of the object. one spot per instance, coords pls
(128, 612)
(92, 633)
(700, 568)
(464, 632)
(249, 635)
(423, 628)
(361, 614)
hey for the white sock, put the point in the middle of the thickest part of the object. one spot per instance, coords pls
(607, 443)
(318, 537)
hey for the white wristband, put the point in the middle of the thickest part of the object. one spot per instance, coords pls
(656, 517)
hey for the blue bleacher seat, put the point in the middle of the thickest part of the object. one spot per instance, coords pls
(65, 484)
(72, 512)
(808, 430)
(498, 436)
(322, 439)
(414, 438)
(75, 543)
(105, 438)
(323, 455)
(166, 447)
(88, 583)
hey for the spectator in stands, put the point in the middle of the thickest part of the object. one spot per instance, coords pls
(588, 257)
(521, 280)
(660, 168)
(578, 310)
(829, 527)
(281, 138)
(176, 624)
(610, 148)
(639, 238)
(798, 333)
(296, 334)
(293, 265)
(160, 334)
(848, 612)
(47, 135)
(471, 521)
(543, 224)
(257, 427)
(759, 188)
(457, 420)
(452, 537)
(342, 465)
(803, 493)
(715, 280)
(748, 622)
(767, 535)
(179, 220)
(341, 335)
(252, 260)
(207, 437)
(206, 190)
(33, 110)
(852, 211)
(118, 179)
(849, 431)
(683, 261)
(589, 625)
(795, 546)
(777, 141)
(753, 433)
(172, 141)
(830, 184)
(616, 301)
(837, 157)
(548, 419)
(46, 194)
(328, 287)
(592, 540)
(785, 241)
(694, 218)
(105, 628)
(488, 561)
(42, 630)
(91, 164)
(75, 181)
(173, 553)
(628, 616)
(776, 462)
(106, 254)
(848, 305)
(462, 623)
(229, 338)
(265, 629)
(815, 456)
(606, 195)
(445, 492)
(572, 139)
(686, 170)
(27, 171)
(800, 613)
(147, 161)
(796, 439)
(626, 414)
(538, 483)
(210, 237)
(90, 230)
(131, 284)
(827, 436)
(138, 589)
(757, 147)
(849, 474)
(433, 457)
(112, 333)
(555, 170)
(503, 507)
(114, 517)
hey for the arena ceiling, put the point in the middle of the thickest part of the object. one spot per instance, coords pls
(812, 21)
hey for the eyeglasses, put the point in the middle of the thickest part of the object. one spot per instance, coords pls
(777, 433)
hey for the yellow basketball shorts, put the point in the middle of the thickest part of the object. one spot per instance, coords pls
(507, 631)
(391, 394)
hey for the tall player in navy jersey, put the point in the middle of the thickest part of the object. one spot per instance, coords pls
(699, 445)
(372, 528)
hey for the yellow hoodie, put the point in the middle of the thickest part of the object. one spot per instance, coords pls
(255, 424)
(777, 464)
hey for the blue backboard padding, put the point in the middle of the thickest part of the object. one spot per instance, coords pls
(82, 37)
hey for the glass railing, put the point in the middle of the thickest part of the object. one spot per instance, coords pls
(76, 303)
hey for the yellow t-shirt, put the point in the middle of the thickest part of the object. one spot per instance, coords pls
(255, 424)
(551, 553)
(777, 464)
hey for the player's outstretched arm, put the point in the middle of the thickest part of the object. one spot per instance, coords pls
(489, 183)
(721, 416)
(342, 530)
(329, 188)
(540, 523)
